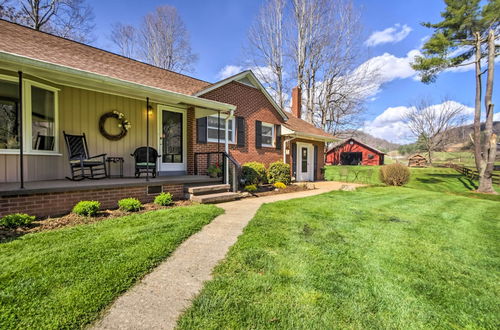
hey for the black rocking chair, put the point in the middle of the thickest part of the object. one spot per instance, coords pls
(44, 142)
(83, 165)
(141, 161)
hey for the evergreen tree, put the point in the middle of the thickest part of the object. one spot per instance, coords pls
(466, 36)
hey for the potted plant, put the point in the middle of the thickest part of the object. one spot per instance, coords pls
(214, 171)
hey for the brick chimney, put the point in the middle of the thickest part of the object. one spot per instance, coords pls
(297, 102)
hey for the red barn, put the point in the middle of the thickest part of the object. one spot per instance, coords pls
(353, 152)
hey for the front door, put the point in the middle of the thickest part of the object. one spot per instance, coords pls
(172, 141)
(305, 163)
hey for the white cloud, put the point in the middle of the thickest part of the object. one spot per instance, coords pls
(228, 71)
(392, 34)
(385, 68)
(390, 125)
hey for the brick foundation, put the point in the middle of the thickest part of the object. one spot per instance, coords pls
(59, 203)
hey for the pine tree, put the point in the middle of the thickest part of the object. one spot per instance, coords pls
(466, 36)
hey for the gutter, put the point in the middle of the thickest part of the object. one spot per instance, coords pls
(95, 77)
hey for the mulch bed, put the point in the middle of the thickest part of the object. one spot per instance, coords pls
(72, 219)
(268, 190)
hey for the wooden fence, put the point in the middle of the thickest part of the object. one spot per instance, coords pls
(472, 173)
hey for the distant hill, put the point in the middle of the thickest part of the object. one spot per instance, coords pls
(458, 138)
(377, 143)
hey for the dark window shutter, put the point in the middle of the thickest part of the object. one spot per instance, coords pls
(201, 130)
(258, 134)
(277, 129)
(315, 163)
(294, 160)
(240, 131)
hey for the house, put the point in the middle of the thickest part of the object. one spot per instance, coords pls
(50, 85)
(417, 161)
(354, 152)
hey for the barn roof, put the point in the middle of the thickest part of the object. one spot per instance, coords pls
(336, 146)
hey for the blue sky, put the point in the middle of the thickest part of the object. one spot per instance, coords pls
(218, 29)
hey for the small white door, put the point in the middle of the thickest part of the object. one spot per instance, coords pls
(305, 162)
(172, 127)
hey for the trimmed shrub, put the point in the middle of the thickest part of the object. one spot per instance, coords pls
(129, 204)
(254, 173)
(163, 199)
(279, 172)
(87, 208)
(279, 185)
(394, 174)
(16, 220)
(250, 188)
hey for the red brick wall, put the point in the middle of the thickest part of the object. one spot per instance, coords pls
(333, 156)
(59, 203)
(253, 105)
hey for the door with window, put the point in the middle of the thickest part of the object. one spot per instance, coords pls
(172, 128)
(305, 162)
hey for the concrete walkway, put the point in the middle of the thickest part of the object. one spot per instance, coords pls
(161, 296)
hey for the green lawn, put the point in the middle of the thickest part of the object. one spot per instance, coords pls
(64, 278)
(380, 257)
(438, 179)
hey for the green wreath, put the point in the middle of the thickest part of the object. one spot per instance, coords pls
(123, 124)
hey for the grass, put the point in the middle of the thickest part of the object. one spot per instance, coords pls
(64, 278)
(380, 257)
(437, 179)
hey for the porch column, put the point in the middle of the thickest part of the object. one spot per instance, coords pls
(21, 151)
(226, 146)
(147, 138)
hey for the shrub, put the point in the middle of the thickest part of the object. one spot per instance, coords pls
(87, 208)
(163, 199)
(395, 174)
(254, 173)
(16, 220)
(129, 204)
(279, 185)
(279, 172)
(250, 188)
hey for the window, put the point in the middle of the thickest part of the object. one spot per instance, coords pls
(9, 115)
(42, 118)
(39, 114)
(267, 135)
(212, 129)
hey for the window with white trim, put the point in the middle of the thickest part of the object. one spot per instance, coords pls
(267, 135)
(40, 112)
(212, 129)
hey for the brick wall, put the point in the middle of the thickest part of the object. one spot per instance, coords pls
(59, 203)
(252, 105)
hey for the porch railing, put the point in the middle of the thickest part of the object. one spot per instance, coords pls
(231, 169)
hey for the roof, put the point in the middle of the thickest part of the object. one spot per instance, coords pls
(416, 155)
(248, 74)
(41, 46)
(358, 142)
(302, 127)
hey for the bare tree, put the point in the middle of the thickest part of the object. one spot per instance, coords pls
(318, 42)
(125, 38)
(164, 41)
(430, 123)
(266, 47)
(71, 19)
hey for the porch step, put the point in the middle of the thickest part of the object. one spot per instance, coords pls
(210, 189)
(215, 198)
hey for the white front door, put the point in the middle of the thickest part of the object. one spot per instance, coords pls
(305, 162)
(172, 126)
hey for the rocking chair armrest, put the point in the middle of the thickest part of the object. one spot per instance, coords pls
(98, 156)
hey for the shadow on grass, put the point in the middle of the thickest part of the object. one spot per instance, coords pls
(430, 180)
(468, 183)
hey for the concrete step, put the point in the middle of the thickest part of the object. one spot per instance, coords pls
(210, 189)
(215, 198)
